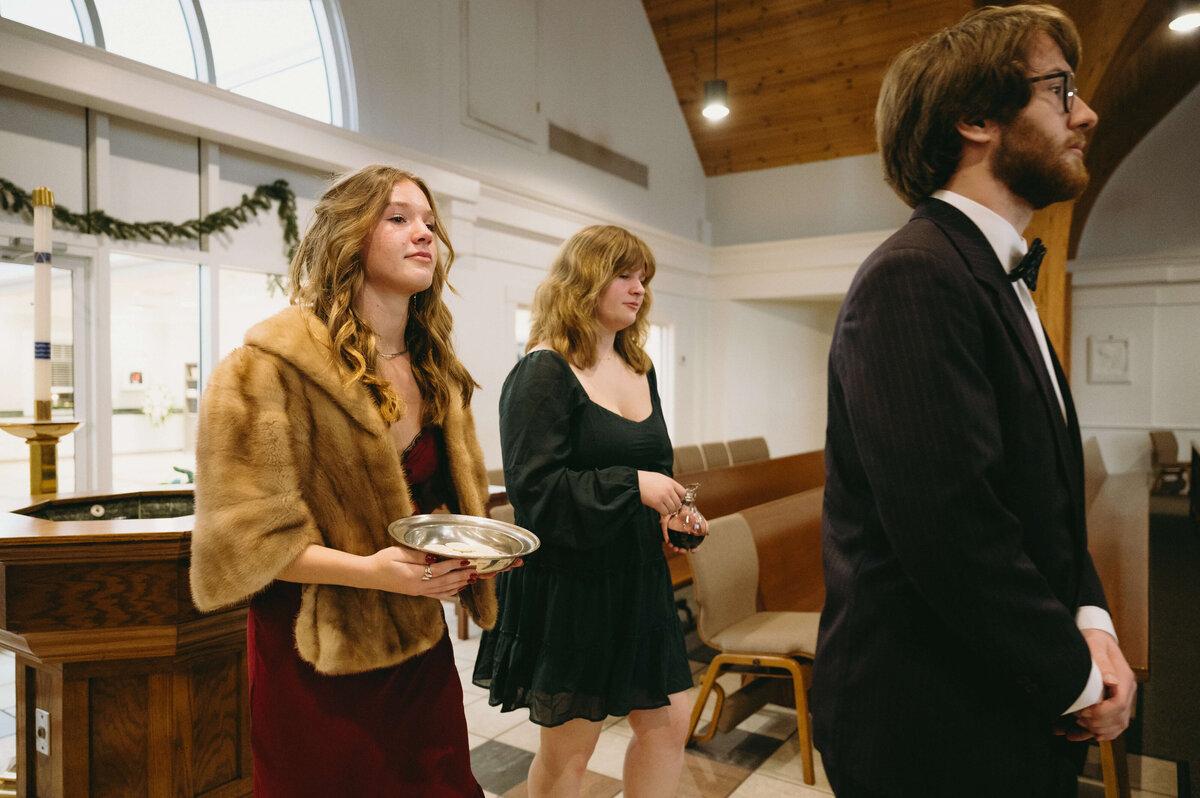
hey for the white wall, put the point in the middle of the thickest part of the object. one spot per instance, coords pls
(153, 174)
(1137, 277)
(1149, 205)
(842, 195)
(770, 378)
(51, 136)
(598, 74)
(787, 242)
(258, 241)
(1155, 307)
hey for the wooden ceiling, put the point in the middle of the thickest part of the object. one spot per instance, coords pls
(803, 75)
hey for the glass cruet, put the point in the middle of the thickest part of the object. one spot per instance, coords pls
(685, 527)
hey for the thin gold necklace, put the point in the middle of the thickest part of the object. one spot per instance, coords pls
(390, 355)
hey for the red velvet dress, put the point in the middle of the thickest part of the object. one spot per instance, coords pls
(395, 732)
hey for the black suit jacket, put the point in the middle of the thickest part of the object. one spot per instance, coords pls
(955, 547)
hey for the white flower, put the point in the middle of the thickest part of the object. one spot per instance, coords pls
(157, 404)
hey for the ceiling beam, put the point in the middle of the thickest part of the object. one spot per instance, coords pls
(1149, 72)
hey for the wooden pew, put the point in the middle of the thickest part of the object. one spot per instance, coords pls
(787, 536)
(730, 489)
(1119, 540)
(1118, 519)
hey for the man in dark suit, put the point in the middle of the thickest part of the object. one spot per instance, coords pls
(965, 645)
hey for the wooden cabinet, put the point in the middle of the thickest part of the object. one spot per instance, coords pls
(145, 695)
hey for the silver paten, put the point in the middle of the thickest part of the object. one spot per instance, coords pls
(425, 532)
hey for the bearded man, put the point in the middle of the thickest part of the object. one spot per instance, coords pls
(965, 646)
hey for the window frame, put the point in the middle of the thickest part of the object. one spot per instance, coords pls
(331, 36)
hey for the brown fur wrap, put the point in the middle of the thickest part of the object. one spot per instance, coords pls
(287, 456)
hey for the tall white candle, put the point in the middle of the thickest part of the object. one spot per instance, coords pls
(43, 214)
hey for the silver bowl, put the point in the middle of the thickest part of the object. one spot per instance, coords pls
(447, 536)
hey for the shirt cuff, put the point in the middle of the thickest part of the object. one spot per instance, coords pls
(1091, 617)
(1093, 693)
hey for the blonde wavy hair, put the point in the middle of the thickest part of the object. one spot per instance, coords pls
(564, 305)
(327, 272)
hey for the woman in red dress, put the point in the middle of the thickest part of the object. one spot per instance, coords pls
(340, 414)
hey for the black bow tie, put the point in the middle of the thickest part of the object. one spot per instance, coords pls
(1027, 269)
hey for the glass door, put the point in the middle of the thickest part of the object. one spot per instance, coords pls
(16, 364)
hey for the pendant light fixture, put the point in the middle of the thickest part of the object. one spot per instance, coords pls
(1185, 16)
(716, 92)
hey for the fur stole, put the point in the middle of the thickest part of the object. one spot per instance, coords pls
(287, 456)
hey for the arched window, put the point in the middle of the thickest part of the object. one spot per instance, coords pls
(289, 53)
(281, 70)
(53, 16)
(151, 31)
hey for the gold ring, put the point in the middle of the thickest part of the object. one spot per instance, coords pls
(425, 577)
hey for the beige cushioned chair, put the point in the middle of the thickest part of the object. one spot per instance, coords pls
(716, 454)
(749, 450)
(758, 644)
(1170, 473)
(688, 460)
(503, 512)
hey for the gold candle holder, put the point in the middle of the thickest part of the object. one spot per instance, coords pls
(42, 437)
(43, 196)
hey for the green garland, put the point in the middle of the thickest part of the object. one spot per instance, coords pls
(20, 202)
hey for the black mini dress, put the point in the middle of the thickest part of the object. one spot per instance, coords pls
(588, 627)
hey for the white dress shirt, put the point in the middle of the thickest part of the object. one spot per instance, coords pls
(1010, 247)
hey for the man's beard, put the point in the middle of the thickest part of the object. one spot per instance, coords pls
(1035, 168)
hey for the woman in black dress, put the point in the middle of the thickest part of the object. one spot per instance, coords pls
(588, 627)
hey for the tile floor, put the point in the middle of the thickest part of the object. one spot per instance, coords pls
(760, 759)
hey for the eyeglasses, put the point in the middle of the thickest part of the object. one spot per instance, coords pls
(1065, 88)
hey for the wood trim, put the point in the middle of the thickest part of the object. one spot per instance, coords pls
(181, 755)
(102, 547)
(89, 644)
(242, 788)
(1151, 70)
(209, 633)
(160, 759)
(1053, 226)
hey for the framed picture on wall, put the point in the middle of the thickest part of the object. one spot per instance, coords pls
(1108, 359)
